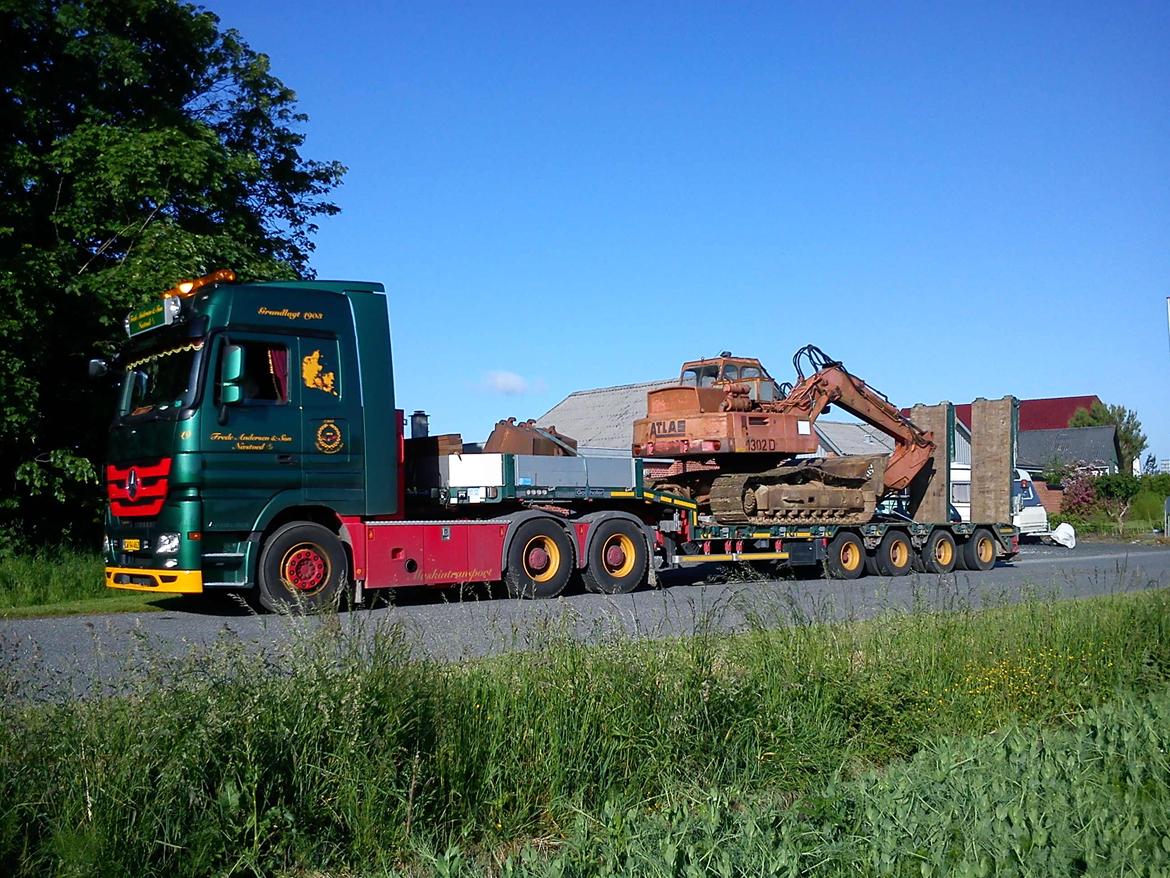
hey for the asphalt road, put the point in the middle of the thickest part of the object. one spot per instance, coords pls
(87, 654)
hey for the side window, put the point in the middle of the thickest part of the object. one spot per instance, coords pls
(265, 378)
(960, 492)
(750, 372)
(731, 372)
(320, 369)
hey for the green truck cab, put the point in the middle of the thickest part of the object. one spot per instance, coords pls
(241, 410)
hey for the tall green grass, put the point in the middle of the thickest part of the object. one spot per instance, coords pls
(50, 578)
(1092, 798)
(350, 753)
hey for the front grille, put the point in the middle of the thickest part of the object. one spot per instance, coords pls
(139, 489)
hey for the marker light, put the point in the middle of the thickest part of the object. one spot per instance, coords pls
(187, 287)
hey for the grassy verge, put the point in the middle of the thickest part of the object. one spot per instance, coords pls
(350, 754)
(59, 577)
(1091, 798)
(64, 583)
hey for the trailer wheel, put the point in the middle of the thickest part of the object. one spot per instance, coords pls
(302, 566)
(939, 554)
(894, 554)
(978, 553)
(616, 563)
(846, 558)
(540, 560)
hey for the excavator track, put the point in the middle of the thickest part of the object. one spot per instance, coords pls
(843, 490)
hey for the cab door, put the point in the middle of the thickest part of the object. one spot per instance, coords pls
(253, 444)
(328, 383)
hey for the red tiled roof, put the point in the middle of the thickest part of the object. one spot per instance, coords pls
(1037, 414)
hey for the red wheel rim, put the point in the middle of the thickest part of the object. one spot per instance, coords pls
(305, 568)
(537, 559)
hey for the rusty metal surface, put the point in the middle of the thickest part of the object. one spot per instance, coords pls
(745, 427)
(510, 437)
(835, 490)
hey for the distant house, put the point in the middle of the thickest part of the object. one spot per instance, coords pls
(602, 420)
(1096, 447)
(1052, 413)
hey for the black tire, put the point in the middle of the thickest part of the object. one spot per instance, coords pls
(617, 558)
(302, 568)
(940, 554)
(540, 560)
(894, 554)
(979, 552)
(846, 557)
(871, 565)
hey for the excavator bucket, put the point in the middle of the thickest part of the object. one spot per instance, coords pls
(525, 437)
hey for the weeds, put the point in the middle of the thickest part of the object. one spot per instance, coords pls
(349, 752)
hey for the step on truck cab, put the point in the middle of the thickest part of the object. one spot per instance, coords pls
(257, 446)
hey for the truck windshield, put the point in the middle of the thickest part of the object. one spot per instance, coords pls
(163, 381)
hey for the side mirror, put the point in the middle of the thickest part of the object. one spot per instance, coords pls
(98, 368)
(231, 371)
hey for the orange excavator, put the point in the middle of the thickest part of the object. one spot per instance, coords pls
(735, 436)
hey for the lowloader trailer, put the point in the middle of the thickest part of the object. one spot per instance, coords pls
(257, 448)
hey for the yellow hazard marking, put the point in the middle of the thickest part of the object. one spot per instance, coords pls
(736, 556)
(622, 494)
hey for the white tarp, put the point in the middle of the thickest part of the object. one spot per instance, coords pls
(1065, 536)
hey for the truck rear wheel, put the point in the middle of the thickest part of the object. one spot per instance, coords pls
(894, 554)
(979, 552)
(846, 556)
(939, 554)
(540, 560)
(616, 563)
(302, 567)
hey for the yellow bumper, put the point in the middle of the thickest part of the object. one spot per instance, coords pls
(139, 579)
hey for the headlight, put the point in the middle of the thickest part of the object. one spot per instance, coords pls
(168, 544)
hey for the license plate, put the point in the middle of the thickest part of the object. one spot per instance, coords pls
(131, 545)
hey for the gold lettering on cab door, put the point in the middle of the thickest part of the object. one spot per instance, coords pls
(252, 441)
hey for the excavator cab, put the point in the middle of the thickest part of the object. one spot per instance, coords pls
(724, 371)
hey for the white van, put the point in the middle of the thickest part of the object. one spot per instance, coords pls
(1028, 513)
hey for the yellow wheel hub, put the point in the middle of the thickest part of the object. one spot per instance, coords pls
(943, 552)
(986, 550)
(617, 556)
(850, 556)
(899, 553)
(542, 558)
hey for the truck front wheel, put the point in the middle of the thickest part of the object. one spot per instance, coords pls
(302, 567)
(617, 558)
(540, 560)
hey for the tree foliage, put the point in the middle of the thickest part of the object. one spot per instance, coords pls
(1115, 493)
(143, 145)
(1131, 441)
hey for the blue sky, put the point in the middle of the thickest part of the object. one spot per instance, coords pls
(956, 202)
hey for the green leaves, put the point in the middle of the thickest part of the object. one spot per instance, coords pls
(145, 146)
